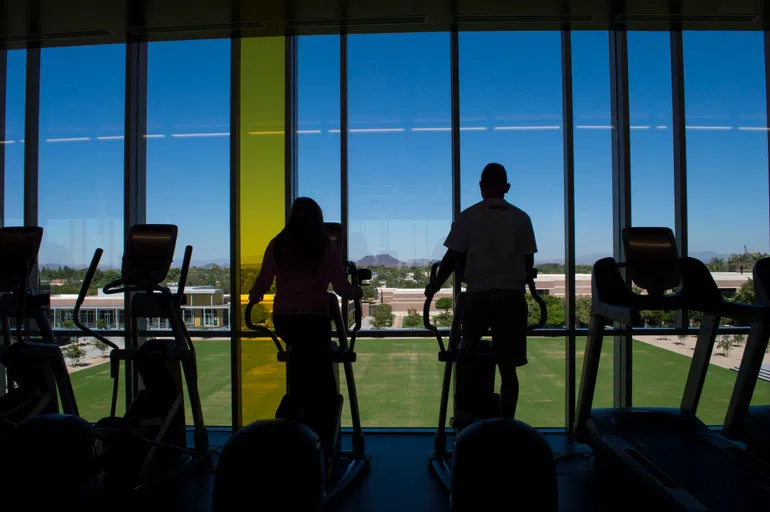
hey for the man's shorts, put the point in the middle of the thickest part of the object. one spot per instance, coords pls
(505, 313)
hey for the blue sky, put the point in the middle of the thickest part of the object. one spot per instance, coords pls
(400, 144)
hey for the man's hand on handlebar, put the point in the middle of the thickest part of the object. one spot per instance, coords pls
(429, 291)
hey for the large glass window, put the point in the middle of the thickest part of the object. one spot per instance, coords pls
(318, 122)
(727, 181)
(13, 145)
(652, 200)
(400, 196)
(188, 184)
(82, 103)
(511, 113)
(593, 184)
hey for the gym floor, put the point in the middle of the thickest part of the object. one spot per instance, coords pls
(399, 479)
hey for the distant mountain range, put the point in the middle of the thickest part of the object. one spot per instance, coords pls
(386, 260)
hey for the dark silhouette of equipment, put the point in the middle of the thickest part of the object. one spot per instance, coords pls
(495, 459)
(67, 448)
(666, 454)
(319, 406)
(37, 377)
(744, 422)
(284, 456)
(148, 444)
(474, 384)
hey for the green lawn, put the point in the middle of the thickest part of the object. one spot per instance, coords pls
(399, 382)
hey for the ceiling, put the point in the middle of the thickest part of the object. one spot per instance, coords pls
(78, 22)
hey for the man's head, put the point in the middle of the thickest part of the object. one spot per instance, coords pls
(494, 182)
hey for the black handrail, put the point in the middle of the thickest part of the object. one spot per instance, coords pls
(358, 314)
(183, 274)
(426, 309)
(259, 328)
(429, 300)
(82, 297)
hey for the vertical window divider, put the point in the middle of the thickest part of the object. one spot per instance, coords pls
(3, 78)
(766, 40)
(569, 222)
(344, 181)
(680, 152)
(621, 199)
(235, 230)
(134, 174)
(454, 48)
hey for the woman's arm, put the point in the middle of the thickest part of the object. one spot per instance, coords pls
(266, 275)
(337, 275)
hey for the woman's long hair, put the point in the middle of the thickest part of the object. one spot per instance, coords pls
(300, 246)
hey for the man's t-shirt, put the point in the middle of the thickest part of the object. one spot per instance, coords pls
(497, 236)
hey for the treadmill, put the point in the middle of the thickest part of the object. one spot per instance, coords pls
(37, 381)
(668, 454)
(744, 422)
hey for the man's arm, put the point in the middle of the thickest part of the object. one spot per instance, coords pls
(449, 263)
(529, 263)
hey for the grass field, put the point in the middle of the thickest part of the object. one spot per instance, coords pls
(399, 382)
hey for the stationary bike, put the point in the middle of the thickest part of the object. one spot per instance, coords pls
(312, 402)
(474, 385)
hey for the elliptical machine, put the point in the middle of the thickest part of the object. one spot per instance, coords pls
(37, 377)
(148, 444)
(306, 400)
(475, 400)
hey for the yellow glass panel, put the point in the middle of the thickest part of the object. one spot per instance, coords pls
(262, 195)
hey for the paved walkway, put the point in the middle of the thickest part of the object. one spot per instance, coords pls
(674, 344)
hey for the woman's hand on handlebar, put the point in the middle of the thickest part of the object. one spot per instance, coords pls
(255, 297)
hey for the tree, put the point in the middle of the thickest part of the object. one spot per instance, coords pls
(745, 293)
(101, 323)
(68, 324)
(444, 304)
(738, 340)
(725, 343)
(681, 339)
(583, 306)
(412, 320)
(383, 316)
(74, 353)
(101, 346)
(370, 293)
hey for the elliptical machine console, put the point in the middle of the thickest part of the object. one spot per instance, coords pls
(474, 384)
(311, 401)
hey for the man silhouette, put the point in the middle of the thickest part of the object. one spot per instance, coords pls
(493, 244)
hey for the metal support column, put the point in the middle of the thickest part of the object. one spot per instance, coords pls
(767, 98)
(621, 198)
(235, 230)
(344, 182)
(135, 172)
(3, 76)
(290, 123)
(454, 51)
(569, 223)
(680, 154)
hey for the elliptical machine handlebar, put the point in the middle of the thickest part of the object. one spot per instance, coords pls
(87, 280)
(258, 328)
(426, 309)
(532, 290)
(356, 277)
